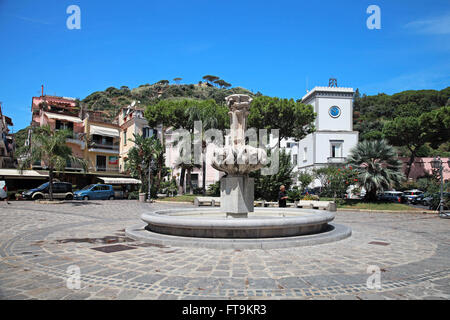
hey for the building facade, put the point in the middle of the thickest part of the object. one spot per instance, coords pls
(7, 145)
(334, 136)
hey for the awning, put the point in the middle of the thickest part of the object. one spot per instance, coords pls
(62, 117)
(104, 131)
(25, 173)
(110, 180)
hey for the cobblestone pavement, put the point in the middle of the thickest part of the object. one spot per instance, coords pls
(38, 244)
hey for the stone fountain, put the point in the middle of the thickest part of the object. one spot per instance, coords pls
(237, 160)
(237, 224)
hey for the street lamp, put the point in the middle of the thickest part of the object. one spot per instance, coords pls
(437, 163)
(150, 167)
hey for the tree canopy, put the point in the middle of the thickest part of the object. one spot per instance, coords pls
(292, 118)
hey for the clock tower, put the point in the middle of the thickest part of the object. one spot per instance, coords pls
(334, 136)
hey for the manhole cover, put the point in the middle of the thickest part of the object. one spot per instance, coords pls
(114, 248)
(380, 243)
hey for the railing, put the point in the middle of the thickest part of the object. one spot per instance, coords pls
(103, 169)
(104, 146)
(336, 159)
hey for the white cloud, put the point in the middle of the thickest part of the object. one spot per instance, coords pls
(436, 25)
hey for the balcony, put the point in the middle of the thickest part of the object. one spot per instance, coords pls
(336, 160)
(105, 148)
(104, 169)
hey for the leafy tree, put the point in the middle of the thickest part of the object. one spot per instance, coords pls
(210, 78)
(268, 186)
(339, 178)
(212, 116)
(305, 179)
(292, 118)
(163, 82)
(177, 80)
(322, 174)
(414, 132)
(223, 84)
(140, 157)
(437, 123)
(377, 166)
(49, 146)
(373, 111)
(407, 132)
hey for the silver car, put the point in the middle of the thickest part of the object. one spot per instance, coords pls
(3, 190)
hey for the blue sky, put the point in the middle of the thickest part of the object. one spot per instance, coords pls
(275, 47)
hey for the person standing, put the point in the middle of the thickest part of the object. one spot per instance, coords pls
(282, 197)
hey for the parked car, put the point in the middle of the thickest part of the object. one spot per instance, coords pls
(95, 192)
(411, 195)
(61, 190)
(419, 198)
(427, 198)
(392, 196)
(3, 190)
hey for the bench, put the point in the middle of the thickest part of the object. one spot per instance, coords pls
(207, 201)
(315, 204)
(305, 204)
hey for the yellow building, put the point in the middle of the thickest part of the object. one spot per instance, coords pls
(102, 152)
(131, 121)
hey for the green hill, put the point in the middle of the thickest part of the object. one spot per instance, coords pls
(112, 99)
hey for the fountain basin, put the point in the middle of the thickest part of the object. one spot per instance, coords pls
(262, 223)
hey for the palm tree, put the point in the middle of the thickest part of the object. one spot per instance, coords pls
(49, 146)
(377, 165)
(140, 157)
(186, 167)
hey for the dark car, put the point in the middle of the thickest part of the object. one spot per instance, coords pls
(391, 196)
(419, 198)
(95, 192)
(410, 196)
(61, 190)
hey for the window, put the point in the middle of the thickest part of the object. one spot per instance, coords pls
(108, 141)
(336, 149)
(147, 132)
(305, 151)
(294, 159)
(125, 138)
(59, 125)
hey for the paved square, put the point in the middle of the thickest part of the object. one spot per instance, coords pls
(38, 244)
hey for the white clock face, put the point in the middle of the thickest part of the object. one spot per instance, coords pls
(334, 111)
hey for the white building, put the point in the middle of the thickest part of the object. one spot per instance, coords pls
(334, 136)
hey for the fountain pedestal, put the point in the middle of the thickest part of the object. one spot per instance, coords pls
(237, 195)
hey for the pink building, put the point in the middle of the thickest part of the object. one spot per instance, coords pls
(422, 167)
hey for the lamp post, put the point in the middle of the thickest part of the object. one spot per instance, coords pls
(437, 163)
(150, 166)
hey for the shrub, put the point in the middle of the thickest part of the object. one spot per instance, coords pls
(214, 189)
(133, 195)
(294, 194)
(310, 197)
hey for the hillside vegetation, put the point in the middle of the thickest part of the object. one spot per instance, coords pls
(112, 99)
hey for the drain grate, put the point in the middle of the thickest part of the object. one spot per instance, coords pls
(380, 243)
(114, 248)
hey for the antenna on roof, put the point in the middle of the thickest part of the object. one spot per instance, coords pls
(332, 82)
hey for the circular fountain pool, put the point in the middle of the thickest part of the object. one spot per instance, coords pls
(263, 228)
